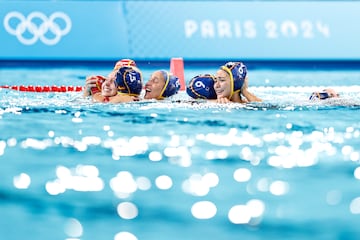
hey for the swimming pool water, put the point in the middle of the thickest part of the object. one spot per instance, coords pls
(286, 168)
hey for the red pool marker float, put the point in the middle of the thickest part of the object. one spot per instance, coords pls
(54, 88)
(177, 69)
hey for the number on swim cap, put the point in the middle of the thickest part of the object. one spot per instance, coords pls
(241, 70)
(199, 84)
(133, 76)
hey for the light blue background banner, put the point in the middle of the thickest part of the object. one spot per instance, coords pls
(159, 30)
(61, 30)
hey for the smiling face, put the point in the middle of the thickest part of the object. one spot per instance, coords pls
(154, 86)
(109, 88)
(222, 84)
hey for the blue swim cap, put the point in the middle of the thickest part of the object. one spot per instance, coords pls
(129, 80)
(172, 84)
(237, 72)
(201, 86)
(319, 95)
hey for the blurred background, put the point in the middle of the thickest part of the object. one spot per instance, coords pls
(290, 32)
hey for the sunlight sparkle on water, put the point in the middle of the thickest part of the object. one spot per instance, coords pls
(155, 156)
(354, 156)
(248, 213)
(349, 153)
(123, 184)
(22, 181)
(274, 137)
(355, 206)
(55, 187)
(263, 184)
(143, 183)
(11, 142)
(163, 182)
(125, 236)
(247, 154)
(36, 144)
(82, 178)
(127, 210)
(242, 175)
(123, 147)
(296, 138)
(211, 179)
(199, 185)
(73, 228)
(91, 140)
(178, 155)
(230, 139)
(289, 157)
(76, 118)
(80, 146)
(2, 147)
(203, 210)
(174, 141)
(239, 214)
(257, 207)
(357, 173)
(279, 188)
(220, 154)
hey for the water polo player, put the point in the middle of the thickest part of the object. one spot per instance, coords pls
(93, 83)
(161, 84)
(122, 85)
(229, 84)
(324, 94)
(128, 84)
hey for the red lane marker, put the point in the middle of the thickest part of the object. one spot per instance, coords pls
(177, 69)
(54, 88)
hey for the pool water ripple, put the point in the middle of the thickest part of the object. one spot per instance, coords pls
(286, 168)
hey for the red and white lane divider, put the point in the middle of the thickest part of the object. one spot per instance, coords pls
(176, 68)
(30, 88)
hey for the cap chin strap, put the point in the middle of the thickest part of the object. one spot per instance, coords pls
(127, 87)
(124, 80)
(197, 94)
(226, 69)
(167, 80)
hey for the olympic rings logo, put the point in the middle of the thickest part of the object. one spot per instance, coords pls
(36, 25)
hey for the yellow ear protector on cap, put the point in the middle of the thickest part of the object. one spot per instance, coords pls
(237, 72)
(172, 85)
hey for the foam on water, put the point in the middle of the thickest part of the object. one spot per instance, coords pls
(276, 96)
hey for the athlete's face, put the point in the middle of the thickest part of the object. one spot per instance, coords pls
(109, 88)
(222, 84)
(154, 86)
